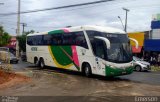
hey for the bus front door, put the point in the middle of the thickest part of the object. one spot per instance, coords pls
(99, 49)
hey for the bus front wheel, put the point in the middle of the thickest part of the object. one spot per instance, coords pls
(87, 70)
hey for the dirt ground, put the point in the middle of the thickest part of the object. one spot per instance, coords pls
(9, 79)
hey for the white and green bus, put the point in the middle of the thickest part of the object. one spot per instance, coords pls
(88, 49)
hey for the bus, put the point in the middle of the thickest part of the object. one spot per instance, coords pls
(88, 49)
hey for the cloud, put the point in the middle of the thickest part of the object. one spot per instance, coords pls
(105, 14)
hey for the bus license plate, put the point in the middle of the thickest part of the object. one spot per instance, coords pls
(123, 72)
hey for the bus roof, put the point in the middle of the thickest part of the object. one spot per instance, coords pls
(86, 27)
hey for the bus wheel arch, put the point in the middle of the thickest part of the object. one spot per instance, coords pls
(41, 62)
(86, 69)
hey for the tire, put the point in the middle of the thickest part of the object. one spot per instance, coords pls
(87, 70)
(42, 64)
(138, 68)
(36, 62)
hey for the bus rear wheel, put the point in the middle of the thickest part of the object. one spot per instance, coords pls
(36, 62)
(87, 70)
(42, 64)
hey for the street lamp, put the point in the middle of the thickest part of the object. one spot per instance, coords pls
(121, 22)
(127, 10)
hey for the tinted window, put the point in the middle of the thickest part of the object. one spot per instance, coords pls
(68, 39)
(46, 39)
(29, 40)
(75, 38)
(56, 39)
(114, 38)
(99, 48)
(52, 39)
(35, 40)
(92, 34)
(38, 40)
(120, 50)
(72, 38)
(80, 39)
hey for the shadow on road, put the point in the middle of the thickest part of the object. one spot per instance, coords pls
(79, 74)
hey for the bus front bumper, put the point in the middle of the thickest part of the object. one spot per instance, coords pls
(110, 71)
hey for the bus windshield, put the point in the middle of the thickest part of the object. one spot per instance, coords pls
(120, 50)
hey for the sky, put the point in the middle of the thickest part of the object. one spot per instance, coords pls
(103, 14)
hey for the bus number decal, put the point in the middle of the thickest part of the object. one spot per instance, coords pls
(34, 48)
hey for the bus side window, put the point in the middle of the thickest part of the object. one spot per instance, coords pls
(93, 47)
(39, 39)
(67, 39)
(29, 40)
(46, 39)
(55, 39)
(98, 47)
(80, 39)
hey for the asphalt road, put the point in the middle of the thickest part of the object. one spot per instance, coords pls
(139, 77)
(143, 77)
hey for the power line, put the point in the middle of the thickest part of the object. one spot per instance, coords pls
(56, 8)
(137, 7)
(73, 9)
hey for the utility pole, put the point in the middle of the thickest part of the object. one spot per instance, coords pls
(127, 10)
(23, 25)
(18, 28)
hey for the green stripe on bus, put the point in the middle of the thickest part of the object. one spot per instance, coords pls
(117, 71)
(56, 32)
(60, 56)
(63, 54)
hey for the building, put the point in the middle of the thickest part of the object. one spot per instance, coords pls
(152, 45)
(12, 44)
(140, 37)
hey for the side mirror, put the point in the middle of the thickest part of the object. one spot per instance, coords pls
(136, 42)
(108, 44)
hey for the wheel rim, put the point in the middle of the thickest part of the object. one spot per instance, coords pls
(36, 63)
(42, 64)
(87, 71)
(138, 68)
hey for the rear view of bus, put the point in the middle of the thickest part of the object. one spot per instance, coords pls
(88, 49)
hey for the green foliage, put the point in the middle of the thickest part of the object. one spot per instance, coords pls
(4, 37)
(29, 32)
(22, 40)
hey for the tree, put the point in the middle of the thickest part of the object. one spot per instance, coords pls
(22, 40)
(4, 37)
(29, 32)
